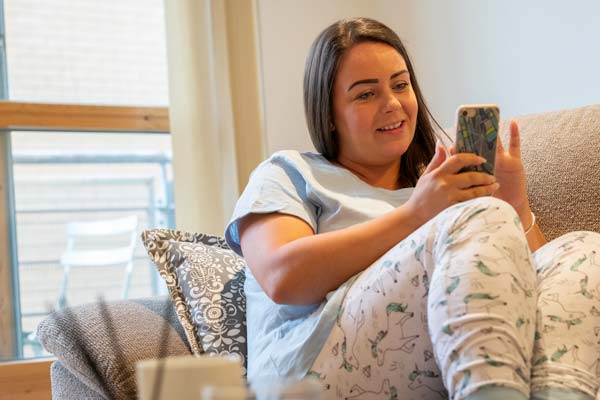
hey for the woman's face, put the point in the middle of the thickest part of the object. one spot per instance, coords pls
(374, 105)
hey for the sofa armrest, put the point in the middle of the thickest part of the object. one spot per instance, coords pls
(66, 386)
(101, 352)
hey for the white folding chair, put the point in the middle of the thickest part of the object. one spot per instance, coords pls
(78, 232)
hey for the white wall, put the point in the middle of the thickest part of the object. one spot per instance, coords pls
(286, 31)
(527, 57)
(532, 56)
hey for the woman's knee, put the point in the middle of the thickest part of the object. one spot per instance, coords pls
(482, 203)
(479, 220)
(583, 238)
(573, 247)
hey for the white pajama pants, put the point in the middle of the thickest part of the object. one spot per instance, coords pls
(461, 304)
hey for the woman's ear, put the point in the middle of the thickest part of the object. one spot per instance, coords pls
(331, 127)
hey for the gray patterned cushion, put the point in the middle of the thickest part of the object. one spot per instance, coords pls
(205, 280)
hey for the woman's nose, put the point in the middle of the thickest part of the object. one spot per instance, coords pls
(392, 103)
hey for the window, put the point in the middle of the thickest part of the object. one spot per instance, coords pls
(64, 181)
(86, 52)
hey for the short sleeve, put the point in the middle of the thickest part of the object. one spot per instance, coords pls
(274, 186)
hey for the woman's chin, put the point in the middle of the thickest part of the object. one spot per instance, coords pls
(394, 152)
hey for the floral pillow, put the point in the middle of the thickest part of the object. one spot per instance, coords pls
(205, 280)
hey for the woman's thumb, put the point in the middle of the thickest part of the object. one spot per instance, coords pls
(438, 158)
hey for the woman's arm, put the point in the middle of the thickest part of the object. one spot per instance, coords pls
(535, 236)
(295, 266)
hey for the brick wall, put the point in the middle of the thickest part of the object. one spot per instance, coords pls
(87, 51)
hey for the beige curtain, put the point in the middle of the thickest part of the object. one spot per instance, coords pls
(215, 107)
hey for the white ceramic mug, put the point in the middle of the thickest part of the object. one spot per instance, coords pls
(184, 377)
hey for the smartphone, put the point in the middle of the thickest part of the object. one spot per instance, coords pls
(477, 132)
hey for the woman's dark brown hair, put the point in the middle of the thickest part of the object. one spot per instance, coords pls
(319, 75)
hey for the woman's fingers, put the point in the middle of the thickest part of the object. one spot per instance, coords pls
(438, 158)
(514, 145)
(455, 186)
(514, 141)
(458, 161)
(466, 180)
(478, 191)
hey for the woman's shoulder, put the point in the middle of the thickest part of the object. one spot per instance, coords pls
(298, 157)
(304, 163)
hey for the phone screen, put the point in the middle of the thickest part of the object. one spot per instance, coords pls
(477, 132)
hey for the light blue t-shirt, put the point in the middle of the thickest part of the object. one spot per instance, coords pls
(284, 340)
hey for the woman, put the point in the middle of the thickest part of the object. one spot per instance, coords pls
(378, 267)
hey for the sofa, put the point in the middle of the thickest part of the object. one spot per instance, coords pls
(97, 345)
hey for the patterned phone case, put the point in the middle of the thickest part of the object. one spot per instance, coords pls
(477, 132)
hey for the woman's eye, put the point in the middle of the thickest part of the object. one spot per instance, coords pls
(364, 96)
(400, 85)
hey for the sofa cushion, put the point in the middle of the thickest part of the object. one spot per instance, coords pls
(205, 280)
(560, 154)
(99, 344)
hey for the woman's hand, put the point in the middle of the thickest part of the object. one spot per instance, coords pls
(441, 185)
(510, 173)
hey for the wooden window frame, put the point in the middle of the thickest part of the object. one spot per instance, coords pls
(19, 116)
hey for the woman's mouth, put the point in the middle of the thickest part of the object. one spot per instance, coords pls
(393, 128)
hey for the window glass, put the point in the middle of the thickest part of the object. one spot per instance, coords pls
(86, 52)
(86, 181)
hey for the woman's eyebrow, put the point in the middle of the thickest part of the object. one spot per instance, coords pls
(363, 81)
(396, 74)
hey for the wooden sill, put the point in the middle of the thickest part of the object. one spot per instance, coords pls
(26, 380)
(73, 117)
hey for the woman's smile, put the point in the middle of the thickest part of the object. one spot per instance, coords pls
(393, 129)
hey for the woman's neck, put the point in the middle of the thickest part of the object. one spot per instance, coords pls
(381, 176)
